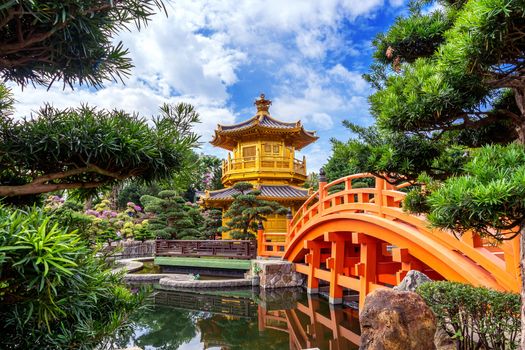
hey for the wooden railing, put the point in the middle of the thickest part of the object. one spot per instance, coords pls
(221, 248)
(264, 163)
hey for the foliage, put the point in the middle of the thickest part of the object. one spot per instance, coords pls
(173, 217)
(395, 156)
(133, 190)
(312, 181)
(69, 215)
(197, 173)
(488, 197)
(454, 71)
(111, 225)
(247, 211)
(212, 223)
(54, 292)
(475, 315)
(68, 40)
(89, 148)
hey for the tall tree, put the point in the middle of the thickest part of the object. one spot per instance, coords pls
(247, 211)
(449, 81)
(68, 40)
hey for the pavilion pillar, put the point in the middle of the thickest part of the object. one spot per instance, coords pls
(336, 264)
(260, 239)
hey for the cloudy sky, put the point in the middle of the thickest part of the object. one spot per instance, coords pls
(307, 56)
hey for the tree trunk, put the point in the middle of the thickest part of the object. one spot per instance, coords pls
(522, 273)
(519, 95)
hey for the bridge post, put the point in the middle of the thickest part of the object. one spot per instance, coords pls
(367, 266)
(378, 198)
(313, 260)
(336, 264)
(322, 190)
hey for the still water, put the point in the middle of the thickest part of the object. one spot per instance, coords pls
(243, 319)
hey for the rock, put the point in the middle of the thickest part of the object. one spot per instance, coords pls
(396, 320)
(276, 274)
(443, 341)
(412, 280)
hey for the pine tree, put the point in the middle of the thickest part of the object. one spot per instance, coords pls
(173, 217)
(247, 210)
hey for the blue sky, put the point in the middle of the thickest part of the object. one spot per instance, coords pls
(306, 56)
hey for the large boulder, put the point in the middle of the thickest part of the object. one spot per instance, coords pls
(412, 280)
(396, 320)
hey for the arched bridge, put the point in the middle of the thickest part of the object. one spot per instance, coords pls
(360, 239)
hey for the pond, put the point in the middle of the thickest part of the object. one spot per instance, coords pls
(243, 319)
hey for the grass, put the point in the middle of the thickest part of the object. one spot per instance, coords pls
(215, 263)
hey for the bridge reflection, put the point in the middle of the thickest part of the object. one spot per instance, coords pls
(309, 325)
(307, 321)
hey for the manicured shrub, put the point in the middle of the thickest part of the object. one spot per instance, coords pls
(476, 317)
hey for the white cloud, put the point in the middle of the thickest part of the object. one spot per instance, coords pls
(396, 3)
(203, 48)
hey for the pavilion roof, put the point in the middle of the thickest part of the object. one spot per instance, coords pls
(271, 192)
(227, 136)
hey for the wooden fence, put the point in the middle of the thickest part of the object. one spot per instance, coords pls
(221, 248)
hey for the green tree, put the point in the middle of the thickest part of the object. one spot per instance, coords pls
(54, 292)
(174, 217)
(212, 223)
(448, 82)
(312, 181)
(87, 148)
(246, 211)
(70, 40)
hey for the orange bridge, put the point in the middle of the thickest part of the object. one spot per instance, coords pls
(359, 239)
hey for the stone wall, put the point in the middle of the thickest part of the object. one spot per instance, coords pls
(131, 249)
(276, 274)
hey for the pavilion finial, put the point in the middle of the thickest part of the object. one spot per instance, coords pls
(263, 105)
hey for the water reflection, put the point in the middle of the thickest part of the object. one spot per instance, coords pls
(244, 319)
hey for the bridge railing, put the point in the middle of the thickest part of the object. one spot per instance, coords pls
(270, 244)
(245, 249)
(331, 196)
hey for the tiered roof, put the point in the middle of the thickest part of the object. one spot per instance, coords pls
(227, 136)
(270, 192)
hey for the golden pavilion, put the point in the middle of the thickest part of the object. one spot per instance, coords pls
(262, 152)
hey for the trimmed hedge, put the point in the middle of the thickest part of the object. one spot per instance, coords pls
(478, 318)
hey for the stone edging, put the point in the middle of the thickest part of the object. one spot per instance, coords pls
(171, 283)
(128, 265)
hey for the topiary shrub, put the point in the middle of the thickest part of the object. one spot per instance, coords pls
(478, 318)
